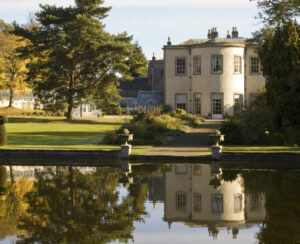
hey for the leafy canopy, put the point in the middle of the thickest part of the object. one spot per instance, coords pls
(275, 12)
(77, 58)
(12, 66)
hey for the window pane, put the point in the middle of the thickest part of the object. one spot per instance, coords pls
(254, 65)
(197, 202)
(180, 100)
(197, 169)
(180, 66)
(217, 63)
(161, 73)
(197, 65)
(238, 103)
(217, 103)
(180, 169)
(197, 104)
(181, 200)
(255, 202)
(217, 203)
(238, 203)
(237, 64)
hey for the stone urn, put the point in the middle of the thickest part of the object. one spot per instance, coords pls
(214, 139)
(124, 138)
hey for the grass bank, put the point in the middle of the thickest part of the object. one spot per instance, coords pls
(261, 149)
(59, 133)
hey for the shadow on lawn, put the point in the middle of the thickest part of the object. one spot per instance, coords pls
(53, 138)
(62, 120)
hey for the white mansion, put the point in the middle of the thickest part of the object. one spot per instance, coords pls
(212, 77)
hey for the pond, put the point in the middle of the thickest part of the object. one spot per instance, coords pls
(149, 203)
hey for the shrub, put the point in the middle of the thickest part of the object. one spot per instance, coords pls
(192, 120)
(251, 125)
(166, 109)
(292, 135)
(3, 119)
(3, 180)
(139, 115)
(232, 132)
(179, 112)
(60, 113)
(3, 135)
(110, 138)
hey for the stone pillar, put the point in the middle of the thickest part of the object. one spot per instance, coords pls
(125, 151)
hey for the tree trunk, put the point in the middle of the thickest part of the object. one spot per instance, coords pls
(11, 97)
(12, 176)
(70, 114)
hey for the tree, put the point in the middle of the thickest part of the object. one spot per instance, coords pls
(70, 206)
(279, 52)
(12, 66)
(275, 12)
(77, 57)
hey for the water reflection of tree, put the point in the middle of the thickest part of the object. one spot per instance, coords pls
(12, 205)
(68, 206)
(283, 210)
(282, 192)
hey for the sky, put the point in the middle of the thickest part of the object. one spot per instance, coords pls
(151, 22)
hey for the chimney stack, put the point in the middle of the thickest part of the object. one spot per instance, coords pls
(209, 34)
(214, 32)
(169, 43)
(228, 34)
(234, 33)
(153, 57)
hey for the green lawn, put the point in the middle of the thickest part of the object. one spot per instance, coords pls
(262, 149)
(58, 133)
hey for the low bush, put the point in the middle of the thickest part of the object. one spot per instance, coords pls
(254, 125)
(110, 138)
(3, 119)
(152, 128)
(3, 180)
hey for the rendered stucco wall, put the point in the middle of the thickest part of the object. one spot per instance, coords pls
(228, 82)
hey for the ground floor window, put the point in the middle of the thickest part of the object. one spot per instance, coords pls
(180, 100)
(197, 104)
(238, 203)
(217, 203)
(255, 202)
(238, 102)
(217, 105)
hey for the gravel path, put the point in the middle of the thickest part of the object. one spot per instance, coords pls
(192, 143)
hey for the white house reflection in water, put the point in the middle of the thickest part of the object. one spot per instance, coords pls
(197, 196)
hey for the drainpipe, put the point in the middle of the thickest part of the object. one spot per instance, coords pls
(152, 74)
(245, 76)
(190, 107)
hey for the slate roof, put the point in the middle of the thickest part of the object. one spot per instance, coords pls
(138, 83)
(214, 40)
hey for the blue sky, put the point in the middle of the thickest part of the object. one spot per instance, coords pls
(151, 22)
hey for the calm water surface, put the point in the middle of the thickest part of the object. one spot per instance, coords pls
(148, 203)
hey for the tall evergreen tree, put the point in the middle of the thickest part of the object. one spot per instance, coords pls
(279, 51)
(77, 58)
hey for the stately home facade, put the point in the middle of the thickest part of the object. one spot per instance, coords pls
(211, 77)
